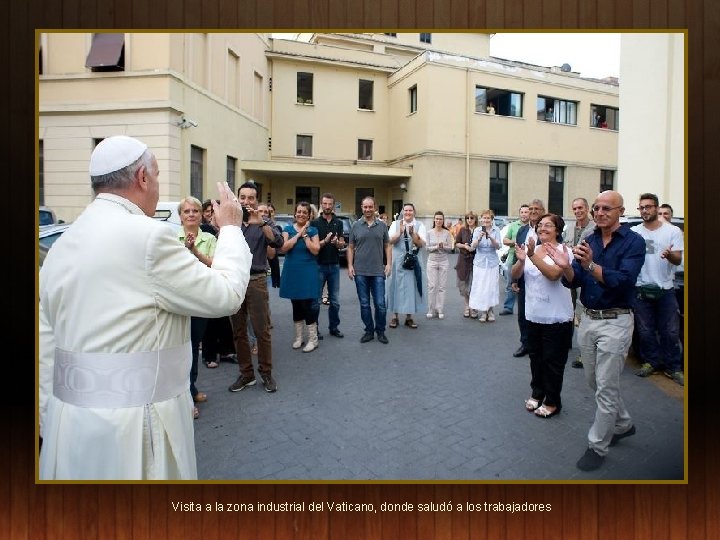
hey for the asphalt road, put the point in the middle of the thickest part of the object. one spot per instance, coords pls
(441, 402)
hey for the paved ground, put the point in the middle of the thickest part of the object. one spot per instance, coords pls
(443, 402)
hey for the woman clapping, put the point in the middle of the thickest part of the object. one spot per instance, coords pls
(549, 312)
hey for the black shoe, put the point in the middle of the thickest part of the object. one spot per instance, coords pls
(242, 383)
(337, 333)
(382, 338)
(619, 436)
(590, 460)
(577, 363)
(522, 351)
(268, 382)
(506, 312)
(367, 337)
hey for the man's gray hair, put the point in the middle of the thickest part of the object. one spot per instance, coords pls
(538, 202)
(122, 178)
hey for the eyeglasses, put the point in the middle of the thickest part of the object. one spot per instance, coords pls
(644, 207)
(547, 225)
(598, 208)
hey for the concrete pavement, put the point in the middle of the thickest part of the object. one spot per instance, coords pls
(442, 402)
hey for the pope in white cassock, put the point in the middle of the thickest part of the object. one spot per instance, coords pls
(116, 294)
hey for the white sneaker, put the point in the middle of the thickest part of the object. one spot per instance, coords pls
(490, 316)
(482, 317)
(441, 315)
(429, 315)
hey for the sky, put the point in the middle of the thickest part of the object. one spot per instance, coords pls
(594, 55)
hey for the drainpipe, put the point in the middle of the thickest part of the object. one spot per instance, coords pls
(467, 140)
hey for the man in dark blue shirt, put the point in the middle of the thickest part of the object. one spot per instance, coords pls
(606, 267)
(330, 232)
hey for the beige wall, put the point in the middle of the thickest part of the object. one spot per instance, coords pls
(652, 141)
(147, 101)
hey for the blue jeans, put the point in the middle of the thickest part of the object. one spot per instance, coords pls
(375, 286)
(658, 325)
(329, 273)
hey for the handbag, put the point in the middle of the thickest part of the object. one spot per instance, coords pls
(650, 292)
(410, 258)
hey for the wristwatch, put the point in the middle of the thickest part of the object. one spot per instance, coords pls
(591, 266)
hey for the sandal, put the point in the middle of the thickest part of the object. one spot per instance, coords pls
(200, 397)
(531, 404)
(196, 413)
(466, 313)
(410, 323)
(393, 323)
(544, 412)
(211, 364)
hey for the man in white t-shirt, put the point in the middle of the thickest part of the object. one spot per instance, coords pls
(656, 308)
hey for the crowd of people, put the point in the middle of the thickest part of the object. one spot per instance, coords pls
(598, 276)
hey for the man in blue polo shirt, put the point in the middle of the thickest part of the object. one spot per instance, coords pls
(606, 266)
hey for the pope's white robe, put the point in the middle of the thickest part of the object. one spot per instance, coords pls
(118, 282)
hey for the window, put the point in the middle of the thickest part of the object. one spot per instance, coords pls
(310, 194)
(365, 149)
(604, 117)
(413, 99)
(556, 110)
(607, 180)
(231, 165)
(360, 194)
(392, 34)
(107, 53)
(41, 170)
(365, 100)
(304, 145)
(496, 101)
(425, 37)
(258, 96)
(304, 87)
(197, 156)
(556, 189)
(233, 78)
(499, 188)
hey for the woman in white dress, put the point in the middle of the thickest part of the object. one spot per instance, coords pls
(485, 289)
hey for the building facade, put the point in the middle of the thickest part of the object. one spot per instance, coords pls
(416, 117)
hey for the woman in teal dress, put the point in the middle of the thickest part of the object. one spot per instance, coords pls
(299, 279)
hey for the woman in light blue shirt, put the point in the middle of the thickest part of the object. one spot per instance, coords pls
(485, 289)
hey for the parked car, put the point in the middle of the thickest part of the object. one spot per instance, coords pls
(47, 216)
(167, 211)
(48, 235)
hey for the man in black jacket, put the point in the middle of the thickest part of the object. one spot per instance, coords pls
(537, 209)
(330, 232)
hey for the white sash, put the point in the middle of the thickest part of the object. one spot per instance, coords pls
(120, 380)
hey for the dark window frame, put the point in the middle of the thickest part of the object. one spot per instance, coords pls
(366, 94)
(502, 100)
(556, 110)
(556, 195)
(413, 98)
(230, 171)
(604, 117)
(197, 163)
(365, 144)
(300, 149)
(425, 37)
(107, 52)
(309, 194)
(605, 175)
(498, 187)
(305, 87)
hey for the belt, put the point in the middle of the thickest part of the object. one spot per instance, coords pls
(611, 313)
(119, 380)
